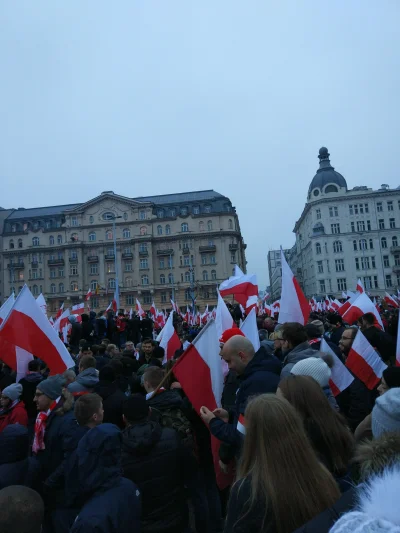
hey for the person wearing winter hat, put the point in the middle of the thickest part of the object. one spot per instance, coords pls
(318, 369)
(12, 409)
(386, 413)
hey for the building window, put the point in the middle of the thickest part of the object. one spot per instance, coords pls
(371, 244)
(167, 229)
(184, 227)
(318, 211)
(52, 273)
(376, 285)
(127, 250)
(379, 207)
(388, 281)
(59, 239)
(390, 206)
(163, 297)
(386, 263)
(367, 282)
(51, 240)
(74, 286)
(170, 261)
(381, 223)
(35, 241)
(74, 221)
(186, 261)
(159, 230)
(173, 212)
(93, 285)
(320, 267)
(201, 225)
(142, 214)
(209, 225)
(143, 230)
(203, 259)
(196, 210)
(360, 225)
(357, 263)
(339, 265)
(35, 290)
(363, 244)
(322, 286)
(161, 263)
(213, 260)
(60, 272)
(335, 228)
(352, 227)
(230, 224)
(342, 284)
(144, 264)
(184, 211)
(365, 263)
(19, 243)
(94, 269)
(397, 259)
(368, 225)
(143, 247)
(337, 247)
(126, 233)
(394, 241)
(207, 208)
(333, 212)
(110, 268)
(392, 223)
(130, 299)
(213, 275)
(384, 242)
(61, 287)
(109, 235)
(233, 257)
(318, 248)
(170, 278)
(92, 236)
(111, 283)
(128, 282)
(160, 213)
(53, 288)
(162, 279)
(147, 298)
(373, 264)
(355, 246)
(128, 266)
(205, 275)
(73, 270)
(187, 277)
(91, 219)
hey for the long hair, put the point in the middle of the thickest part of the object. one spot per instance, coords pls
(286, 477)
(326, 428)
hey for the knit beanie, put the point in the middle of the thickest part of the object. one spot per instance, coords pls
(392, 376)
(320, 325)
(52, 387)
(229, 333)
(314, 367)
(13, 391)
(386, 413)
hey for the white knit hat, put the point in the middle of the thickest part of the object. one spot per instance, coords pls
(314, 367)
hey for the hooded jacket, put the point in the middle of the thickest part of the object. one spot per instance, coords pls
(85, 382)
(155, 459)
(29, 384)
(14, 461)
(300, 352)
(112, 503)
(13, 415)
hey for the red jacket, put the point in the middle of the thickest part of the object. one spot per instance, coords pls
(16, 415)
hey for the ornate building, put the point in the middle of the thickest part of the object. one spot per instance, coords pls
(168, 246)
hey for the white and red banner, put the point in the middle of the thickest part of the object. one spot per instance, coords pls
(390, 300)
(341, 378)
(360, 286)
(42, 303)
(398, 344)
(88, 295)
(359, 306)
(243, 287)
(293, 304)
(78, 309)
(169, 339)
(223, 318)
(139, 309)
(364, 362)
(153, 311)
(250, 330)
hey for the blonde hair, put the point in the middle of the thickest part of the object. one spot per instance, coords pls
(285, 474)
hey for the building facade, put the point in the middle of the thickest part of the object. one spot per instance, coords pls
(176, 246)
(275, 272)
(344, 234)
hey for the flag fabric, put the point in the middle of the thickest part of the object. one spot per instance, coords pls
(223, 318)
(398, 344)
(390, 300)
(115, 302)
(153, 311)
(38, 338)
(23, 359)
(139, 309)
(359, 307)
(174, 306)
(42, 303)
(243, 287)
(169, 339)
(59, 312)
(364, 362)
(293, 304)
(360, 286)
(341, 378)
(9, 353)
(78, 309)
(250, 330)
(348, 303)
(62, 320)
(88, 295)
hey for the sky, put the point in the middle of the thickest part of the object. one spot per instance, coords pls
(163, 96)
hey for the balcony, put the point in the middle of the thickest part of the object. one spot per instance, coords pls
(56, 262)
(233, 247)
(93, 258)
(209, 248)
(109, 257)
(143, 253)
(73, 260)
(395, 249)
(185, 251)
(16, 266)
(396, 269)
(169, 251)
(127, 256)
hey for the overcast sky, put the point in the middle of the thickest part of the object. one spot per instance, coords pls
(150, 97)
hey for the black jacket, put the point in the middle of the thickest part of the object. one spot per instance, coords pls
(113, 401)
(88, 332)
(231, 385)
(29, 384)
(76, 334)
(146, 328)
(356, 402)
(336, 335)
(15, 467)
(155, 460)
(383, 342)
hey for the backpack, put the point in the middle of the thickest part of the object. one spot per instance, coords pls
(173, 418)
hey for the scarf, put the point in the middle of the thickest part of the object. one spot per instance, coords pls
(40, 427)
(8, 409)
(151, 394)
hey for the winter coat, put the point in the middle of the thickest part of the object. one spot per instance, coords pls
(382, 341)
(101, 328)
(13, 415)
(85, 382)
(29, 384)
(356, 402)
(261, 376)
(231, 385)
(155, 459)
(300, 352)
(146, 328)
(374, 456)
(76, 334)
(88, 332)
(113, 401)
(112, 503)
(14, 461)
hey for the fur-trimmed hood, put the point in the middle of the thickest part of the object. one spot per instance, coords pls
(376, 455)
(65, 404)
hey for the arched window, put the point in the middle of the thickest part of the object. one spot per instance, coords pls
(128, 282)
(162, 279)
(145, 279)
(201, 225)
(209, 225)
(111, 283)
(170, 278)
(92, 236)
(187, 277)
(230, 224)
(74, 286)
(19, 243)
(35, 241)
(159, 230)
(59, 239)
(205, 275)
(184, 227)
(91, 219)
(330, 188)
(213, 274)
(11, 244)
(167, 229)
(61, 287)
(318, 248)
(394, 241)
(337, 246)
(363, 244)
(143, 230)
(35, 290)
(51, 240)
(109, 235)
(126, 234)
(384, 242)
(93, 285)
(53, 288)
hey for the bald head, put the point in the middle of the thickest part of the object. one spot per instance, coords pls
(238, 352)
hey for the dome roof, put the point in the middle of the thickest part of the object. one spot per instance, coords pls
(326, 174)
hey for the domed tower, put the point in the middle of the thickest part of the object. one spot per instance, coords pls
(326, 180)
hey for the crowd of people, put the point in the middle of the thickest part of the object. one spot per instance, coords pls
(113, 444)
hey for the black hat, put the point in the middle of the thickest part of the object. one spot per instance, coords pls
(136, 408)
(392, 376)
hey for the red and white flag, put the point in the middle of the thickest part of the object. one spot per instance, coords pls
(398, 345)
(59, 312)
(293, 304)
(62, 320)
(223, 318)
(88, 295)
(341, 378)
(335, 304)
(28, 328)
(42, 303)
(243, 287)
(390, 300)
(78, 309)
(153, 311)
(169, 339)
(115, 301)
(250, 330)
(348, 303)
(364, 362)
(359, 307)
(360, 286)
(160, 319)
(174, 306)
(110, 306)
(139, 309)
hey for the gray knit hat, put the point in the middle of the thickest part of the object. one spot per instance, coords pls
(13, 391)
(386, 413)
(52, 387)
(314, 367)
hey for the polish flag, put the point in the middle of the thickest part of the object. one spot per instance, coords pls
(364, 362)
(174, 306)
(88, 295)
(351, 294)
(335, 304)
(62, 320)
(38, 337)
(243, 287)
(109, 308)
(359, 307)
(398, 345)
(130, 313)
(59, 312)
(223, 319)
(341, 378)
(160, 319)
(11, 355)
(360, 286)
(250, 330)
(115, 302)
(42, 303)
(153, 310)
(169, 339)
(293, 304)
(204, 316)
(346, 306)
(344, 295)
(139, 309)
(390, 300)
(78, 309)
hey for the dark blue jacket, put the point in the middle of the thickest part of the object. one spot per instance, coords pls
(112, 503)
(15, 467)
(260, 376)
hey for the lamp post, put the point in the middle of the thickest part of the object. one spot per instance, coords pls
(115, 258)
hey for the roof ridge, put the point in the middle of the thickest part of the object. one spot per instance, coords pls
(175, 194)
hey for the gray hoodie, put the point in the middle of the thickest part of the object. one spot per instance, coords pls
(302, 351)
(85, 381)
